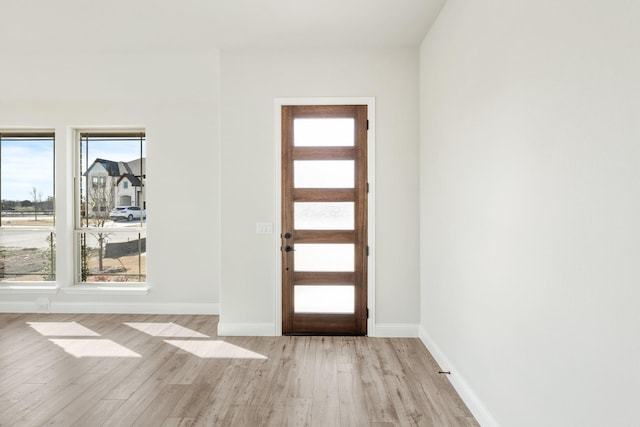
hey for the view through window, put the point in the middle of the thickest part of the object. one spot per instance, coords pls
(27, 216)
(111, 212)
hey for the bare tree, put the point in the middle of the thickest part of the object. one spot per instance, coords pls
(36, 198)
(101, 199)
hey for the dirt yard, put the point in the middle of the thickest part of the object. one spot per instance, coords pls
(30, 264)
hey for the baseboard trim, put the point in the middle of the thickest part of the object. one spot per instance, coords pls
(396, 330)
(468, 396)
(246, 329)
(18, 307)
(268, 330)
(112, 308)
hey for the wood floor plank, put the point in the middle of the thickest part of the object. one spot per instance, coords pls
(44, 394)
(252, 381)
(137, 402)
(192, 401)
(161, 406)
(440, 407)
(274, 376)
(11, 378)
(43, 411)
(98, 414)
(298, 412)
(325, 410)
(171, 422)
(197, 398)
(16, 395)
(189, 372)
(303, 370)
(252, 415)
(353, 409)
(225, 393)
(379, 407)
(132, 383)
(112, 372)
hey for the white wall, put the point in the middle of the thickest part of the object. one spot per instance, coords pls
(250, 83)
(175, 98)
(530, 154)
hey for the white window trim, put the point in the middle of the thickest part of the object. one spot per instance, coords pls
(91, 288)
(100, 288)
(33, 287)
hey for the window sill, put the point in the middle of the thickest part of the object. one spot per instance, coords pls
(29, 289)
(105, 290)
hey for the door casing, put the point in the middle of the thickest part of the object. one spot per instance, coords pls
(370, 102)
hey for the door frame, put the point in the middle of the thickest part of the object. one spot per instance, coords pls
(370, 103)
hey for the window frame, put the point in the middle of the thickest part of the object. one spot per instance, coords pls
(78, 228)
(51, 229)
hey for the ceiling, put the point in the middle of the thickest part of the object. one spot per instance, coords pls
(201, 25)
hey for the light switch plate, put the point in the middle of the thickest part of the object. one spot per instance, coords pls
(264, 228)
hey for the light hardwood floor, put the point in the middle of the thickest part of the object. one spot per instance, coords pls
(166, 370)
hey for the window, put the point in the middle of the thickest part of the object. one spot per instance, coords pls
(110, 238)
(98, 182)
(27, 215)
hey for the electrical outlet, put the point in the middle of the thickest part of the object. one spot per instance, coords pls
(43, 305)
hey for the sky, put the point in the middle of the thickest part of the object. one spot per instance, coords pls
(29, 163)
(25, 165)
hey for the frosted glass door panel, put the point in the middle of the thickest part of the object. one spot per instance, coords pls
(321, 257)
(323, 173)
(323, 216)
(324, 299)
(323, 132)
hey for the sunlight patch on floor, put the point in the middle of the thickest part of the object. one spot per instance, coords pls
(62, 329)
(93, 348)
(215, 350)
(169, 329)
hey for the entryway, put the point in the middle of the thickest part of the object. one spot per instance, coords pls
(324, 219)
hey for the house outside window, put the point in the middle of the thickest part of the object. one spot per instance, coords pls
(110, 213)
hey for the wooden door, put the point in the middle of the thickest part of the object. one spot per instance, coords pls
(324, 220)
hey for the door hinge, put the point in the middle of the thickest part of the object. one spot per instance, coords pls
(367, 250)
(367, 187)
(367, 124)
(367, 312)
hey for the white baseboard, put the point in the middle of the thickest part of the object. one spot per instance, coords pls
(466, 393)
(269, 330)
(18, 307)
(112, 308)
(246, 329)
(396, 330)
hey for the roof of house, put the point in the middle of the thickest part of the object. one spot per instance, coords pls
(131, 169)
(135, 166)
(135, 181)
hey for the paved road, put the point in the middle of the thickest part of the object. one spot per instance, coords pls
(14, 237)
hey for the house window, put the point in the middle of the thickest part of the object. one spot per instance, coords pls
(125, 185)
(27, 214)
(98, 182)
(111, 239)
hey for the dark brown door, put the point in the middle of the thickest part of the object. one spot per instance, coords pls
(324, 220)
